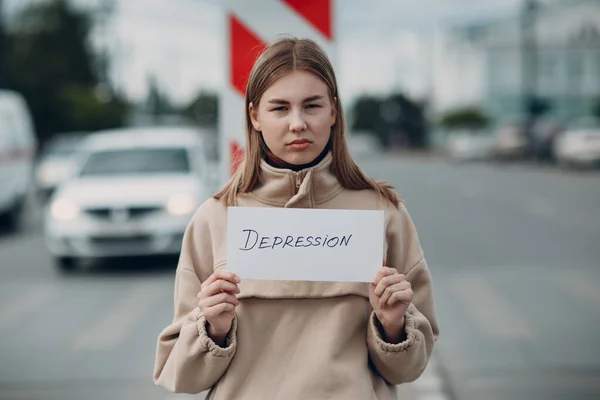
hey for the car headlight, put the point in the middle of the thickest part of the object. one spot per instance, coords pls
(181, 204)
(64, 209)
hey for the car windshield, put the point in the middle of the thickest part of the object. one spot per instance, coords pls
(137, 162)
(61, 146)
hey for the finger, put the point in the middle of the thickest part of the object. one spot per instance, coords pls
(218, 299)
(221, 274)
(387, 281)
(395, 287)
(220, 286)
(208, 282)
(381, 276)
(383, 272)
(391, 288)
(403, 296)
(217, 310)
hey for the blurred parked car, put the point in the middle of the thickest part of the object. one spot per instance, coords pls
(468, 145)
(56, 162)
(363, 145)
(511, 142)
(17, 151)
(133, 193)
(579, 145)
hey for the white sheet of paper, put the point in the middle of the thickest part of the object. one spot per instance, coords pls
(304, 244)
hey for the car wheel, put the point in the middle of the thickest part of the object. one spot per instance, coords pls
(11, 219)
(66, 264)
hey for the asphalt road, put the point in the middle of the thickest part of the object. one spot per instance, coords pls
(515, 257)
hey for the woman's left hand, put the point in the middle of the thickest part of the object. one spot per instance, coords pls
(390, 295)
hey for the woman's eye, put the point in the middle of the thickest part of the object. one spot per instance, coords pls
(313, 106)
(279, 109)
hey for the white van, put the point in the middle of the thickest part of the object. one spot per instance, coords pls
(18, 145)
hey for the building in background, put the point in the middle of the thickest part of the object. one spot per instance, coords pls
(484, 64)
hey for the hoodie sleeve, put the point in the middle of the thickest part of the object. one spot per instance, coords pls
(405, 361)
(187, 359)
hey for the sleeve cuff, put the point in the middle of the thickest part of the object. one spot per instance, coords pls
(409, 327)
(210, 345)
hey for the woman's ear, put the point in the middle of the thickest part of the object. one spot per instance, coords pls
(254, 117)
(333, 112)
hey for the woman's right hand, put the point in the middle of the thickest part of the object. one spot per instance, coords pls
(217, 301)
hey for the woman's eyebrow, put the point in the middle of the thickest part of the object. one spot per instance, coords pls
(306, 100)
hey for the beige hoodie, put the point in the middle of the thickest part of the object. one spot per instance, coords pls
(295, 340)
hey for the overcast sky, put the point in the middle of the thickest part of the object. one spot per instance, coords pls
(381, 43)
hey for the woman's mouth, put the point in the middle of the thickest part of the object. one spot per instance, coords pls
(299, 144)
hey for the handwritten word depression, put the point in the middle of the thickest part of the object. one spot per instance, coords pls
(253, 239)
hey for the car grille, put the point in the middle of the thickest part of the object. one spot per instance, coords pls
(110, 245)
(121, 241)
(131, 212)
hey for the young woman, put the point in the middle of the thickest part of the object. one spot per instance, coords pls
(287, 340)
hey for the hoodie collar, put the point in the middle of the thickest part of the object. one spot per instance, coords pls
(306, 188)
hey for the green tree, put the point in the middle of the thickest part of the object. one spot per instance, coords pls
(203, 110)
(395, 119)
(365, 113)
(409, 121)
(596, 108)
(49, 60)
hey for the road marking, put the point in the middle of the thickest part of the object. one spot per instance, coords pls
(581, 285)
(121, 318)
(493, 315)
(177, 396)
(31, 299)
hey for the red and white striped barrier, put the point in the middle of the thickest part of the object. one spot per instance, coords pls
(250, 25)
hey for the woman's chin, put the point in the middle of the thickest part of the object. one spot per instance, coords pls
(300, 157)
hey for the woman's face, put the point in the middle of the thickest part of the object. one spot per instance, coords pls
(295, 116)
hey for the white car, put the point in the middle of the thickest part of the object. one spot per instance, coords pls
(18, 145)
(579, 145)
(469, 145)
(133, 194)
(363, 145)
(511, 142)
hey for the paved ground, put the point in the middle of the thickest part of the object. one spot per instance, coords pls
(515, 257)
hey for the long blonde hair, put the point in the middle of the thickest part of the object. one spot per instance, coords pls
(277, 60)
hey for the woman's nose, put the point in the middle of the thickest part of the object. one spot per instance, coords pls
(297, 123)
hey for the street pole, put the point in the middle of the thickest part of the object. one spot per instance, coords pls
(2, 51)
(529, 64)
(104, 12)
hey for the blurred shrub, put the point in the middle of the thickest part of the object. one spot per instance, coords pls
(465, 118)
